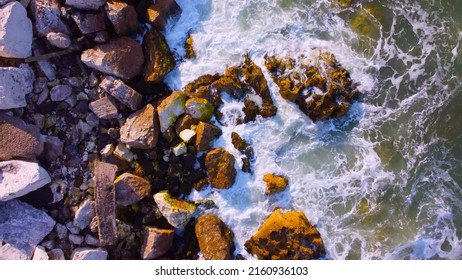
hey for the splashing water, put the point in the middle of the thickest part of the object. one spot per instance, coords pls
(383, 182)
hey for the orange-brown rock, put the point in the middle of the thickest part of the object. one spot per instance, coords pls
(286, 236)
(130, 189)
(275, 183)
(156, 243)
(205, 134)
(161, 11)
(320, 94)
(159, 58)
(189, 47)
(215, 238)
(220, 168)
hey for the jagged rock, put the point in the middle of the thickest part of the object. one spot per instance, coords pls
(159, 58)
(84, 214)
(87, 253)
(320, 94)
(52, 148)
(180, 149)
(240, 144)
(161, 11)
(177, 212)
(205, 134)
(15, 31)
(92, 241)
(18, 139)
(44, 66)
(86, 4)
(59, 40)
(121, 57)
(47, 17)
(120, 91)
(183, 123)
(15, 84)
(22, 227)
(61, 231)
(189, 47)
(220, 168)
(123, 153)
(89, 23)
(141, 130)
(101, 37)
(215, 238)
(40, 254)
(170, 109)
(129, 189)
(60, 92)
(200, 109)
(187, 135)
(104, 175)
(275, 183)
(122, 16)
(56, 254)
(18, 178)
(104, 109)
(286, 236)
(156, 243)
(76, 239)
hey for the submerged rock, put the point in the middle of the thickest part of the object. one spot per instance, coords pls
(121, 57)
(159, 58)
(215, 238)
(141, 130)
(18, 178)
(15, 84)
(220, 168)
(156, 243)
(22, 227)
(15, 31)
(320, 94)
(129, 189)
(18, 139)
(170, 109)
(286, 236)
(275, 183)
(177, 212)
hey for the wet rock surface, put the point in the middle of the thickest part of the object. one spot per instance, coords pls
(220, 168)
(159, 59)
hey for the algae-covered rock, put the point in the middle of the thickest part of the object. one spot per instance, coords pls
(275, 183)
(189, 47)
(320, 86)
(215, 238)
(286, 236)
(170, 109)
(200, 109)
(220, 168)
(159, 58)
(177, 212)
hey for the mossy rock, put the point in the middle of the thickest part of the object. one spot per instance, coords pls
(177, 212)
(200, 109)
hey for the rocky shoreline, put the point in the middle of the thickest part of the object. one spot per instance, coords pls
(98, 155)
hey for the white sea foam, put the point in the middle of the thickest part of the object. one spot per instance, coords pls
(367, 181)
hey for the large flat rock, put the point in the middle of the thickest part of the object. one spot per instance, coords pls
(18, 178)
(15, 31)
(22, 227)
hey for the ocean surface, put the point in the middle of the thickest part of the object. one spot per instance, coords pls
(383, 182)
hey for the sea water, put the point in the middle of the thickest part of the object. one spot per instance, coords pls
(382, 182)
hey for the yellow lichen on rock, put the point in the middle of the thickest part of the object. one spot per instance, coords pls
(275, 183)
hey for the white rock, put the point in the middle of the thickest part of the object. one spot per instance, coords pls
(187, 135)
(86, 4)
(180, 149)
(107, 150)
(85, 214)
(87, 253)
(123, 153)
(170, 109)
(59, 40)
(22, 227)
(18, 178)
(40, 254)
(15, 31)
(177, 212)
(15, 84)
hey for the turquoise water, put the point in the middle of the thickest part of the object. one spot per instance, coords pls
(385, 181)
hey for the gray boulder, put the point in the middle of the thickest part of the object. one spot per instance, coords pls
(22, 227)
(15, 84)
(18, 178)
(15, 31)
